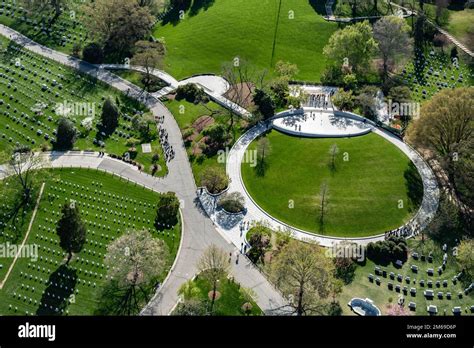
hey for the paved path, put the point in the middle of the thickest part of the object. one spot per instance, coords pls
(199, 231)
(427, 209)
(442, 31)
(214, 86)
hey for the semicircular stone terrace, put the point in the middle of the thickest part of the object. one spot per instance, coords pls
(320, 123)
(419, 221)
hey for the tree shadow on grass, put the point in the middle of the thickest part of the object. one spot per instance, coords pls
(55, 299)
(199, 5)
(319, 6)
(173, 16)
(116, 300)
(414, 186)
(15, 214)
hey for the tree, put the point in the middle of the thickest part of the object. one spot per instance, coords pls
(242, 79)
(148, 55)
(264, 149)
(260, 242)
(401, 95)
(264, 103)
(110, 115)
(393, 37)
(333, 151)
(191, 93)
(23, 165)
(353, 45)
(167, 211)
(446, 127)
(135, 260)
(441, 10)
(117, 24)
(465, 256)
(214, 179)
(232, 202)
(66, 134)
(280, 84)
(192, 307)
(71, 230)
(323, 203)
(217, 137)
(366, 101)
(213, 266)
(343, 100)
(93, 53)
(304, 274)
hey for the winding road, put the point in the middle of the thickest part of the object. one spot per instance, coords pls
(198, 230)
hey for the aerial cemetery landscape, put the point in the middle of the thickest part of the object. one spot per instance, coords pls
(236, 158)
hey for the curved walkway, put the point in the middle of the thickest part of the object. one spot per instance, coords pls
(426, 211)
(198, 229)
(214, 86)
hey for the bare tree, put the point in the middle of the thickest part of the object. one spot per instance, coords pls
(333, 151)
(149, 55)
(263, 149)
(242, 81)
(393, 37)
(323, 202)
(213, 266)
(22, 165)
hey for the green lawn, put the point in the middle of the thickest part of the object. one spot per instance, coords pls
(30, 83)
(60, 33)
(461, 25)
(365, 191)
(231, 298)
(258, 31)
(109, 206)
(361, 286)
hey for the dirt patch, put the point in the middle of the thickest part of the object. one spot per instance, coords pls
(247, 307)
(210, 293)
(202, 122)
(241, 94)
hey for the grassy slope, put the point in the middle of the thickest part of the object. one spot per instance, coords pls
(246, 28)
(460, 22)
(231, 300)
(363, 192)
(87, 299)
(361, 287)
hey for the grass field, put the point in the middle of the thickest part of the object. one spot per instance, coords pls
(109, 206)
(33, 89)
(60, 33)
(361, 286)
(258, 31)
(461, 25)
(231, 297)
(365, 191)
